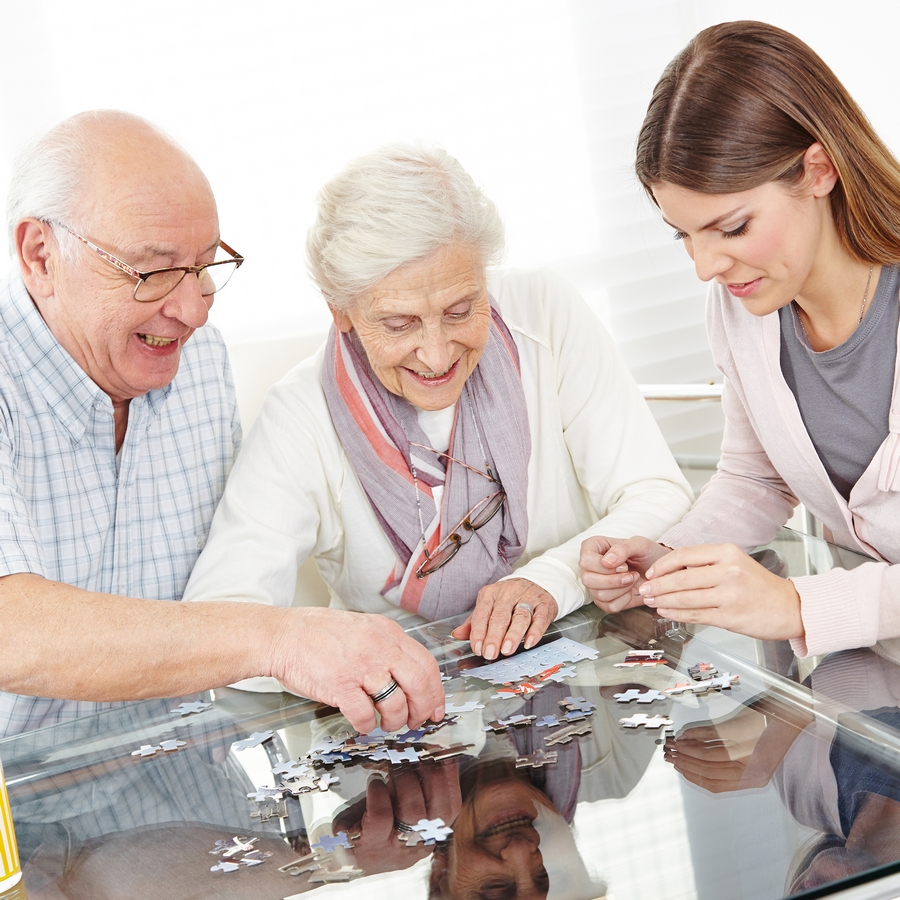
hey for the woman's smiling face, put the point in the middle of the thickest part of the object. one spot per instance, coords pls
(761, 244)
(424, 326)
(768, 245)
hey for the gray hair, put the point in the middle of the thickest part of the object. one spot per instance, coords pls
(394, 206)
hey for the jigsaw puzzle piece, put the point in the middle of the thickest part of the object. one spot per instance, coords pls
(255, 739)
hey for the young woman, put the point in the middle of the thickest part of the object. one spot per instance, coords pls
(789, 204)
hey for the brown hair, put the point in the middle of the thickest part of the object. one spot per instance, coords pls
(739, 106)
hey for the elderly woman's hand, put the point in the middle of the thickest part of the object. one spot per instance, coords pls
(504, 614)
(612, 570)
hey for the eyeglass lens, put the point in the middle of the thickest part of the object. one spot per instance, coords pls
(477, 518)
(156, 285)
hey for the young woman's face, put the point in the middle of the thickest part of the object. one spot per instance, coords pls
(764, 245)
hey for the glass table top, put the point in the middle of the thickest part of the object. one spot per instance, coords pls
(739, 772)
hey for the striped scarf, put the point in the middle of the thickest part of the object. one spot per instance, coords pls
(378, 431)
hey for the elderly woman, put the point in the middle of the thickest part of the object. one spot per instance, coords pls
(457, 437)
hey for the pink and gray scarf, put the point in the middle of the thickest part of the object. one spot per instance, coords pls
(376, 429)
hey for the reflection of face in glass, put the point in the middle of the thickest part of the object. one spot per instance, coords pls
(495, 853)
(509, 843)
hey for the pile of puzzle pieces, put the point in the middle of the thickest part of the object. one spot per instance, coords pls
(314, 772)
(705, 679)
(517, 677)
(573, 710)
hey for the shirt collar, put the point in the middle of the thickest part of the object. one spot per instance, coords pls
(65, 386)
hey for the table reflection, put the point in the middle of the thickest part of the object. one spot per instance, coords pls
(788, 781)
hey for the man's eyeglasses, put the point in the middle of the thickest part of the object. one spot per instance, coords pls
(477, 517)
(159, 283)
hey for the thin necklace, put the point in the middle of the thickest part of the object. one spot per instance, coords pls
(415, 474)
(862, 309)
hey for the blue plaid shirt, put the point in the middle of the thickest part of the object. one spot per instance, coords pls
(68, 511)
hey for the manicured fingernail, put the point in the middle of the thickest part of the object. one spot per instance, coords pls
(627, 579)
(489, 652)
(649, 573)
(650, 601)
(507, 648)
(530, 642)
(622, 568)
(645, 590)
(476, 648)
(438, 714)
(610, 559)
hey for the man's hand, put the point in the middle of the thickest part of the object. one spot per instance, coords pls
(344, 658)
(612, 569)
(719, 584)
(504, 614)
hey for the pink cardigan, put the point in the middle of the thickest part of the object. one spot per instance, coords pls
(769, 463)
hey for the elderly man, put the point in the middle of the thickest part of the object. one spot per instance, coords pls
(118, 426)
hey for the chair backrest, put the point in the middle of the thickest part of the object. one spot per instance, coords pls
(257, 365)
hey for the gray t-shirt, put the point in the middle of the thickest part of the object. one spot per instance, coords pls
(844, 394)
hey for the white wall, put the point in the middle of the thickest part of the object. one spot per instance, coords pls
(540, 99)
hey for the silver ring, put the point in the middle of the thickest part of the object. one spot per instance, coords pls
(385, 692)
(524, 606)
(402, 827)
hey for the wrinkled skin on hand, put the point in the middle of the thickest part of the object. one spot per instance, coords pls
(496, 626)
(343, 658)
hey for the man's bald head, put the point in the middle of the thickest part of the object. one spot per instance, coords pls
(63, 175)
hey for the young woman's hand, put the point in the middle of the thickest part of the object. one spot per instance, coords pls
(719, 584)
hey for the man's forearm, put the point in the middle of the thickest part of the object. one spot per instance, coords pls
(60, 641)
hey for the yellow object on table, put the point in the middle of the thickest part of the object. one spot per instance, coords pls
(10, 870)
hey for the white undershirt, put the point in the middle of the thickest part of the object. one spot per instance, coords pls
(437, 424)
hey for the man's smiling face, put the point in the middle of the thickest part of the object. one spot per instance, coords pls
(147, 203)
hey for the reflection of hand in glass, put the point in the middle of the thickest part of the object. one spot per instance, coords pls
(741, 752)
(420, 792)
(718, 757)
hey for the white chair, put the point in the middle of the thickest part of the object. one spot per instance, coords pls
(256, 366)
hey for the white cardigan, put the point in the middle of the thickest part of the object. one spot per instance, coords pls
(769, 462)
(599, 465)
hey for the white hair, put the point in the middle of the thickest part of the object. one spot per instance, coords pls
(45, 178)
(394, 206)
(48, 173)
